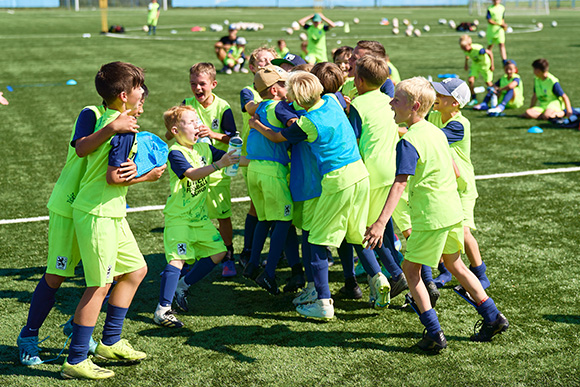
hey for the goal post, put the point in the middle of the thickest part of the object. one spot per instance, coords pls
(512, 7)
(103, 6)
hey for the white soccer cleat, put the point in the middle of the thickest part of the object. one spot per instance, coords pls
(307, 295)
(321, 309)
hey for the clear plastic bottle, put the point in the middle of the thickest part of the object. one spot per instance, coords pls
(207, 140)
(236, 143)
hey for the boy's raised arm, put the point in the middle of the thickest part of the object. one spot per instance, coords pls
(122, 124)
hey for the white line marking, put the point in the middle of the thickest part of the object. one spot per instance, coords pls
(247, 198)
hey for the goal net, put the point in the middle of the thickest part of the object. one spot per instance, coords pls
(512, 7)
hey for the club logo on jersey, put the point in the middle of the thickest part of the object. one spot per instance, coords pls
(203, 160)
(61, 263)
(181, 248)
(287, 210)
(215, 124)
(109, 269)
(71, 198)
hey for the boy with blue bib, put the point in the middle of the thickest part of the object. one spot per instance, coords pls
(509, 90)
(341, 211)
(189, 236)
(267, 177)
(496, 27)
(219, 126)
(107, 246)
(63, 254)
(452, 95)
(425, 163)
(481, 64)
(548, 100)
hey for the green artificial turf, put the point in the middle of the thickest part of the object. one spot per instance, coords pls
(237, 334)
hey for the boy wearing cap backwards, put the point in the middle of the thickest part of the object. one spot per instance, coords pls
(481, 64)
(267, 177)
(424, 162)
(549, 100)
(452, 95)
(496, 27)
(509, 89)
(316, 33)
(189, 236)
(342, 208)
(249, 99)
(289, 61)
(219, 126)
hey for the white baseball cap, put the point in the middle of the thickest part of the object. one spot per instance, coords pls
(454, 87)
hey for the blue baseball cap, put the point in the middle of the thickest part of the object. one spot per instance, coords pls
(454, 87)
(289, 58)
(316, 17)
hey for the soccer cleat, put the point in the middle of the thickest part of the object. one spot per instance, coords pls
(244, 70)
(472, 102)
(320, 309)
(359, 269)
(121, 350)
(354, 293)
(465, 295)
(250, 271)
(229, 269)
(237, 68)
(167, 319)
(372, 291)
(86, 369)
(430, 343)
(433, 293)
(397, 287)
(181, 295)
(268, 283)
(383, 290)
(488, 330)
(228, 71)
(67, 329)
(496, 111)
(306, 296)
(481, 106)
(244, 257)
(28, 350)
(294, 283)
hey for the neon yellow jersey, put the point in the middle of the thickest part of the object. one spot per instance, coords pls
(283, 52)
(461, 152)
(317, 42)
(495, 13)
(544, 90)
(186, 202)
(96, 196)
(518, 100)
(433, 198)
(349, 89)
(246, 118)
(66, 188)
(211, 116)
(152, 15)
(378, 138)
(478, 60)
(395, 77)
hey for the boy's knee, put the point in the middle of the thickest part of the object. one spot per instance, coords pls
(54, 281)
(217, 258)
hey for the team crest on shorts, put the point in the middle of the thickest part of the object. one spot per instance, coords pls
(215, 124)
(61, 262)
(181, 248)
(287, 208)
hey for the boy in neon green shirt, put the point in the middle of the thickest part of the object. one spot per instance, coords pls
(481, 64)
(316, 33)
(153, 16)
(496, 27)
(218, 126)
(424, 162)
(548, 100)
(509, 90)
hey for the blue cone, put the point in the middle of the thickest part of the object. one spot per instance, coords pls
(71, 82)
(535, 129)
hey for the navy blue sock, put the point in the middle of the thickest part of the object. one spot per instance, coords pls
(320, 271)
(249, 228)
(507, 97)
(79, 344)
(277, 243)
(184, 270)
(430, 321)
(488, 310)
(260, 235)
(368, 260)
(387, 252)
(307, 256)
(488, 97)
(347, 259)
(169, 279)
(113, 324)
(201, 268)
(40, 306)
(291, 249)
(426, 274)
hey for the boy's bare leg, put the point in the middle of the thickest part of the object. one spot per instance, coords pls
(126, 287)
(416, 286)
(472, 248)
(502, 51)
(90, 305)
(550, 113)
(531, 113)
(466, 278)
(226, 230)
(53, 280)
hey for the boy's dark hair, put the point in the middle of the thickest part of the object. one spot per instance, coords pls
(145, 91)
(372, 69)
(302, 67)
(117, 77)
(373, 47)
(341, 51)
(203, 67)
(541, 64)
(329, 75)
(281, 40)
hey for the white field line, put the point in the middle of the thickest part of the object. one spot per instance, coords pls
(247, 198)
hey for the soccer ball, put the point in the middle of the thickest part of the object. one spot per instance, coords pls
(509, 30)
(476, 22)
(146, 28)
(417, 32)
(303, 36)
(540, 25)
(426, 28)
(481, 34)
(442, 21)
(356, 20)
(406, 22)
(395, 22)
(409, 32)
(452, 24)
(295, 26)
(395, 31)
(289, 31)
(554, 23)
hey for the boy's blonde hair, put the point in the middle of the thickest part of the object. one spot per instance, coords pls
(373, 70)
(464, 40)
(329, 75)
(418, 89)
(203, 67)
(302, 67)
(172, 116)
(304, 88)
(254, 55)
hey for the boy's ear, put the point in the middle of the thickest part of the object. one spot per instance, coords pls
(214, 83)
(123, 96)
(174, 130)
(416, 106)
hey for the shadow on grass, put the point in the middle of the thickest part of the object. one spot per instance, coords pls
(563, 318)
(554, 163)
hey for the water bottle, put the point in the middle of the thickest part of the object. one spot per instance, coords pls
(493, 101)
(235, 145)
(207, 140)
